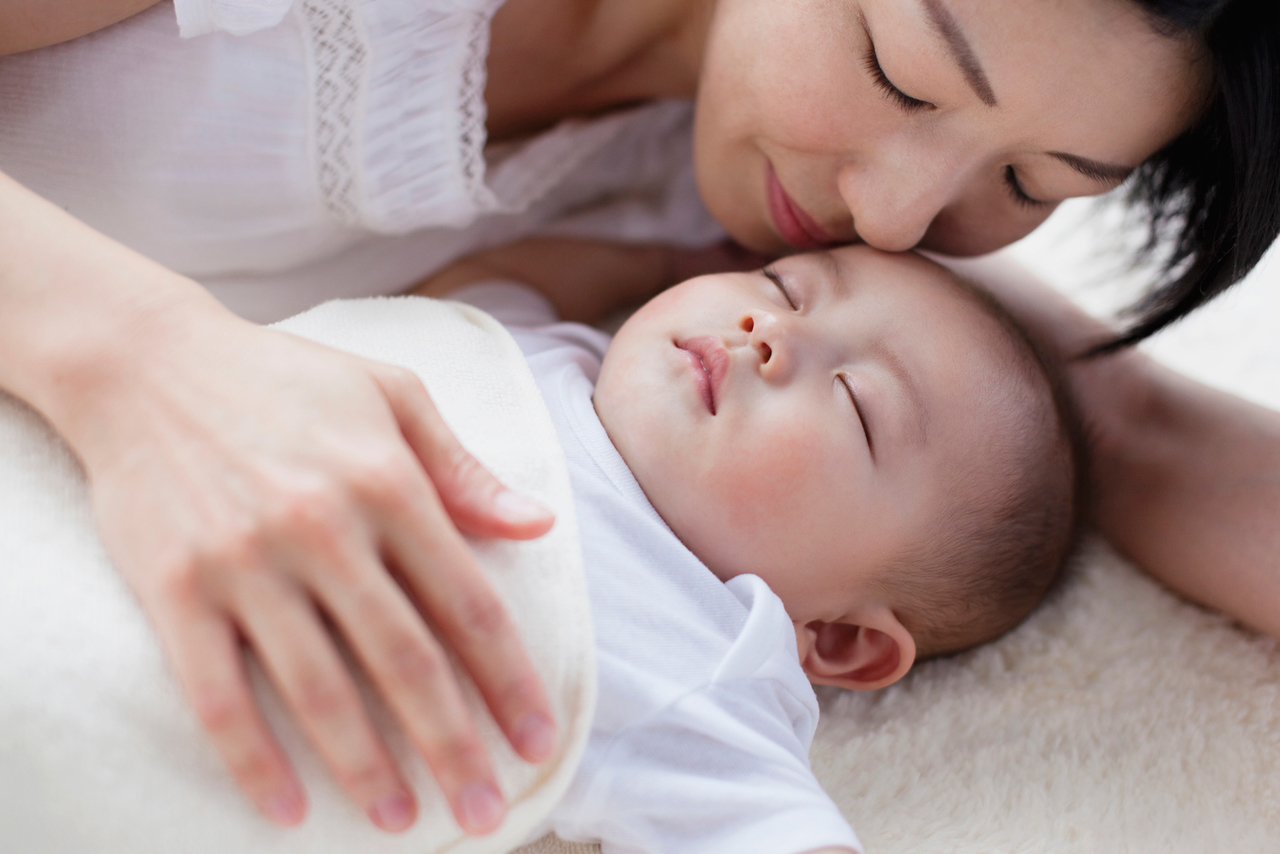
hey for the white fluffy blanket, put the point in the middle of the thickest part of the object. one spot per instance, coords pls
(99, 752)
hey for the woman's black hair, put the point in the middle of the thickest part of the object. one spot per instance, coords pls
(1212, 195)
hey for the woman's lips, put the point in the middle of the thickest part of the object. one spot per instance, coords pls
(709, 360)
(792, 222)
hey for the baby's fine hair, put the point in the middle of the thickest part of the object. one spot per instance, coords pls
(995, 558)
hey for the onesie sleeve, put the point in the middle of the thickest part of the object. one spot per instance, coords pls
(238, 17)
(721, 771)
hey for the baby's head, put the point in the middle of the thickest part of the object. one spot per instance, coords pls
(873, 437)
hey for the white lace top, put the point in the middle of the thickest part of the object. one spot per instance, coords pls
(287, 151)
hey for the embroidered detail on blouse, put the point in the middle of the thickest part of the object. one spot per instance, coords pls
(473, 112)
(423, 162)
(398, 118)
(338, 66)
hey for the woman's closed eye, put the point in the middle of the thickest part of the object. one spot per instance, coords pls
(1019, 195)
(843, 379)
(772, 275)
(885, 85)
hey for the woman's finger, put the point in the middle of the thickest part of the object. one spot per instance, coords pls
(412, 672)
(444, 578)
(301, 660)
(209, 664)
(477, 501)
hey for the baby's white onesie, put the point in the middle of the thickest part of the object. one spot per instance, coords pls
(701, 737)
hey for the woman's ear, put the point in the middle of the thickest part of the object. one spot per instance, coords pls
(859, 657)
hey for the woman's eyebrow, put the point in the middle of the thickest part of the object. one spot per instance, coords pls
(945, 25)
(1103, 173)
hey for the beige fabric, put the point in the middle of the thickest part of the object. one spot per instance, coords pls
(552, 844)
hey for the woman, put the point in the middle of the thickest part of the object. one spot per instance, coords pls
(244, 481)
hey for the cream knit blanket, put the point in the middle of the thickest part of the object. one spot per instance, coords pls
(99, 752)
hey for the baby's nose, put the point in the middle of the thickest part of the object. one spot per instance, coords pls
(764, 334)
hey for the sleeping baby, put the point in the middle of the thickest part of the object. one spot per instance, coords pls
(817, 473)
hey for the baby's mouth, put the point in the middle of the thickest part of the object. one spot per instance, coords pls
(709, 361)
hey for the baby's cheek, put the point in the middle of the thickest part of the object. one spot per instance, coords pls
(771, 486)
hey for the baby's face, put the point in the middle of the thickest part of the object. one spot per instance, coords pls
(808, 429)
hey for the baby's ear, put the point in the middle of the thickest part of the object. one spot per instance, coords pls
(860, 657)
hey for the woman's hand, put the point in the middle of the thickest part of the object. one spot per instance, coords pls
(250, 485)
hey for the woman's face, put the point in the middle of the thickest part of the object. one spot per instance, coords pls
(954, 125)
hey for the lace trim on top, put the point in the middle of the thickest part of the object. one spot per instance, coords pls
(398, 122)
(398, 113)
(338, 59)
(421, 147)
(424, 135)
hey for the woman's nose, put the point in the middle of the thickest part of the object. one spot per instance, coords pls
(894, 200)
(767, 336)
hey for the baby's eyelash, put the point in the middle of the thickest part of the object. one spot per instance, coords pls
(772, 275)
(1019, 195)
(862, 421)
(885, 85)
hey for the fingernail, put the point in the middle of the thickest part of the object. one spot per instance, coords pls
(517, 509)
(284, 809)
(481, 807)
(535, 737)
(392, 812)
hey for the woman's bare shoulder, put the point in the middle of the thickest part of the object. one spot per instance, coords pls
(29, 24)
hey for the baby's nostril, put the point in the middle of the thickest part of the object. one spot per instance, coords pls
(748, 323)
(766, 352)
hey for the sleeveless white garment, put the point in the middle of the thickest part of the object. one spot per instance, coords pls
(283, 152)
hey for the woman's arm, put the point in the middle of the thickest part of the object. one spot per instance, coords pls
(1187, 477)
(1189, 488)
(29, 24)
(586, 280)
(249, 484)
